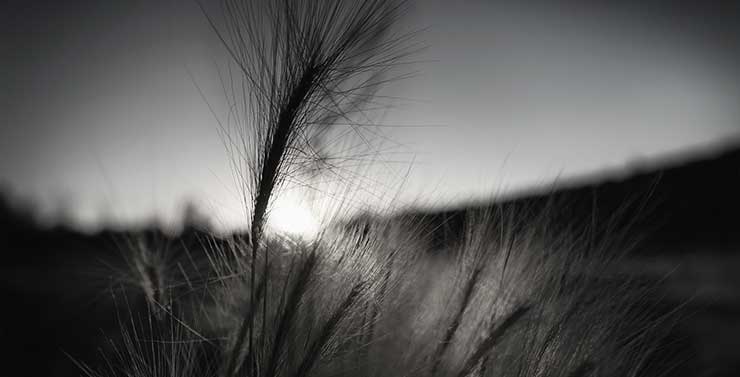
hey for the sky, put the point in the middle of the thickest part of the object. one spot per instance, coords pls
(105, 115)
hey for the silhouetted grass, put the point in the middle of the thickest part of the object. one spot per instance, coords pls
(517, 296)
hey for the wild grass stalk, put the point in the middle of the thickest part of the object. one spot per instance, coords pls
(496, 332)
(314, 352)
(377, 299)
(290, 311)
(303, 65)
(457, 319)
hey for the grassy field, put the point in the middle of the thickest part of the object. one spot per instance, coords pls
(370, 302)
(519, 292)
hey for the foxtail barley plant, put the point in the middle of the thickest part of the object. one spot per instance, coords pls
(515, 296)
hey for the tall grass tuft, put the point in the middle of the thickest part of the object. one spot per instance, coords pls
(303, 66)
(518, 295)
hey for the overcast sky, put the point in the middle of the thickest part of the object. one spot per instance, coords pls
(101, 116)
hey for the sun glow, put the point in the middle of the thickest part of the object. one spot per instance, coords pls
(293, 216)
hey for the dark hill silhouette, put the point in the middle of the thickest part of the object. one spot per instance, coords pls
(673, 208)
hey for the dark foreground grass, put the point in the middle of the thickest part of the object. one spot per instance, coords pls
(364, 303)
(517, 296)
